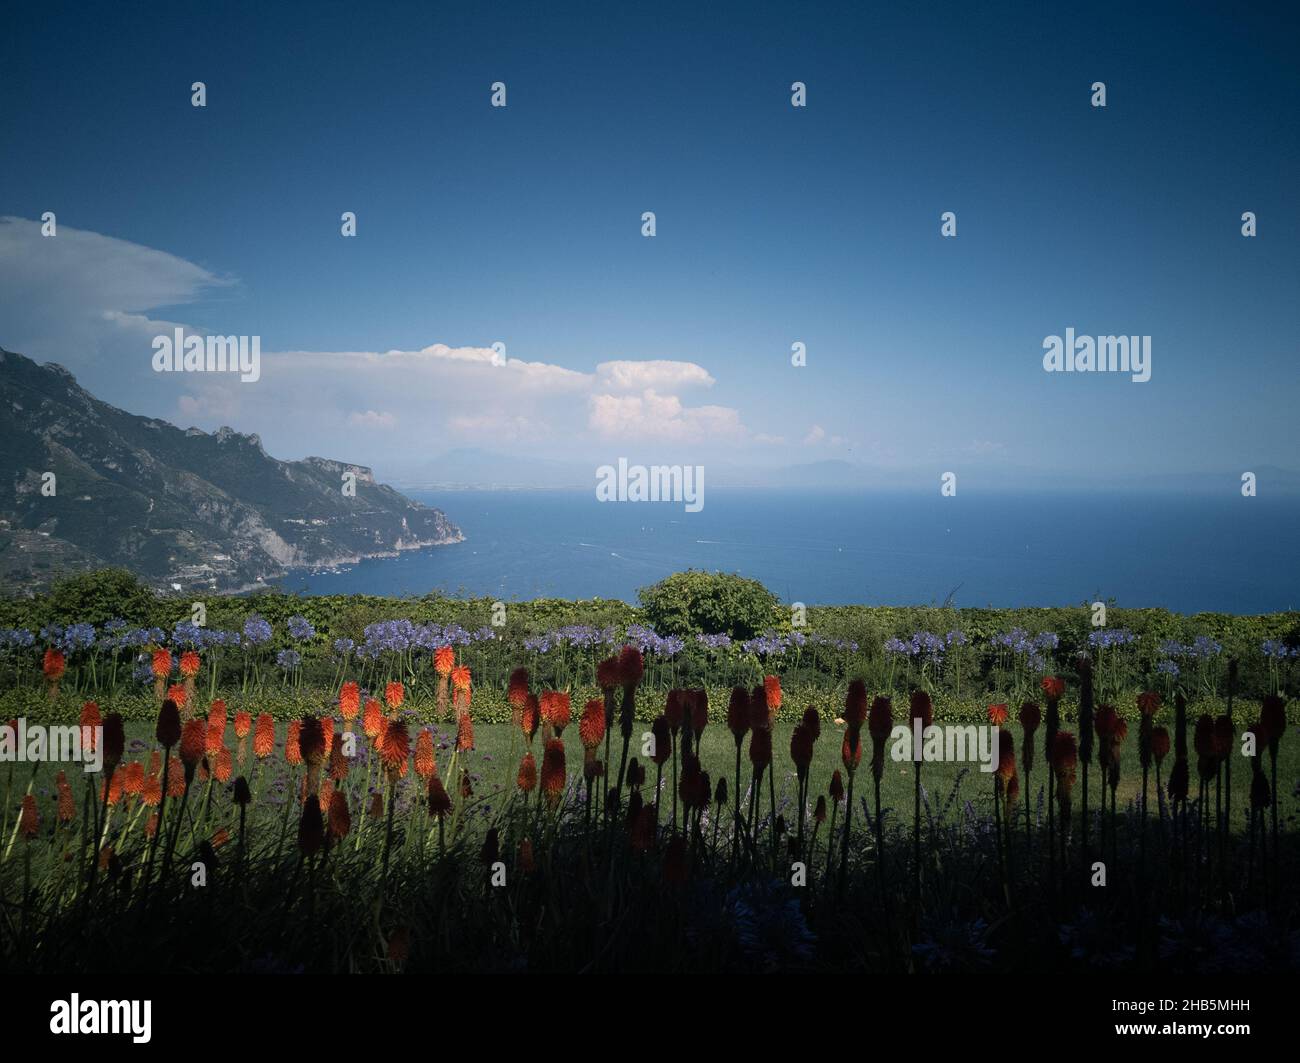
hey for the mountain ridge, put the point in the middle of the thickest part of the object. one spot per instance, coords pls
(182, 508)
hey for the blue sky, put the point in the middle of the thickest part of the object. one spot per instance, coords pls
(775, 225)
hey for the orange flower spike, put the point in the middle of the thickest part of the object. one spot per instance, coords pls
(460, 678)
(176, 692)
(53, 664)
(591, 725)
(556, 709)
(340, 818)
(161, 664)
(396, 748)
(444, 660)
(264, 737)
(371, 718)
(67, 805)
(243, 724)
(114, 788)
(338, 763)
(464, 732)
(530, 715)
(90, 720)
(394, 695)
(772, 688)
(527, 780)
(292, 750)
(151, 791)
(193, 743)
(998, 715)
(29, 820)
(189, 665)
(175, 777)
(425, 762)
(553, 771)
(133, 778)
(224, 766)
(349, 700)
(517, 690)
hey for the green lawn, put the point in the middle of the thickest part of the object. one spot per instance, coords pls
(493, 765)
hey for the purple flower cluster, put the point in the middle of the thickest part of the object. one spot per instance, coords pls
(922, 644)
(647, 640)
(714, 642)
(771, 643)
(69, 639)
(188, 635)
(579, 636)
(1106, 637)
(257, 632)
(1278, 650)
(1201, 648)
(300, 629)
(399, 636)
(16, 638)
(288, 659)
(1033, 648)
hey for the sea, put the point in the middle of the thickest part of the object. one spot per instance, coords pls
(1186, 553)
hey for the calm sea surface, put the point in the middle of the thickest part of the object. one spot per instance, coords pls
(1186, 553)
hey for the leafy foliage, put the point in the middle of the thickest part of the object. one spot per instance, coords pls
(714, 603)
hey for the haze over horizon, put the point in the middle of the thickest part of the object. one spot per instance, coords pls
(776, 225)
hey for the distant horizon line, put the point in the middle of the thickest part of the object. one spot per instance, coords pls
(1133, 485)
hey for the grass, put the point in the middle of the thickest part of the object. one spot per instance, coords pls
(494, 762)
(421, 898)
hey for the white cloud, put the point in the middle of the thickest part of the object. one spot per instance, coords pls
(85, 293)
(85, 300)
(372, 419)
(815, 435)
(652, 416)
(657, 374)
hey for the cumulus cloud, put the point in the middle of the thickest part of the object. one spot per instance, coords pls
(89, 301)
(815, 435)
(651, 416)
(657, 375)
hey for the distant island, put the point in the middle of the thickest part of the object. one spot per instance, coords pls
(90, 485)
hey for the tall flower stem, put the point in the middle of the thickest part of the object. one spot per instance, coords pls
(848, 824)
(916, 837)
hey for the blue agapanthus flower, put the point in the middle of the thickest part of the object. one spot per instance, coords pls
(720, 641)
(300, 629)
(257, 632)
(1106, 637)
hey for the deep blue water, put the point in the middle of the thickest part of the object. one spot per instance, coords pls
(1186, 553)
